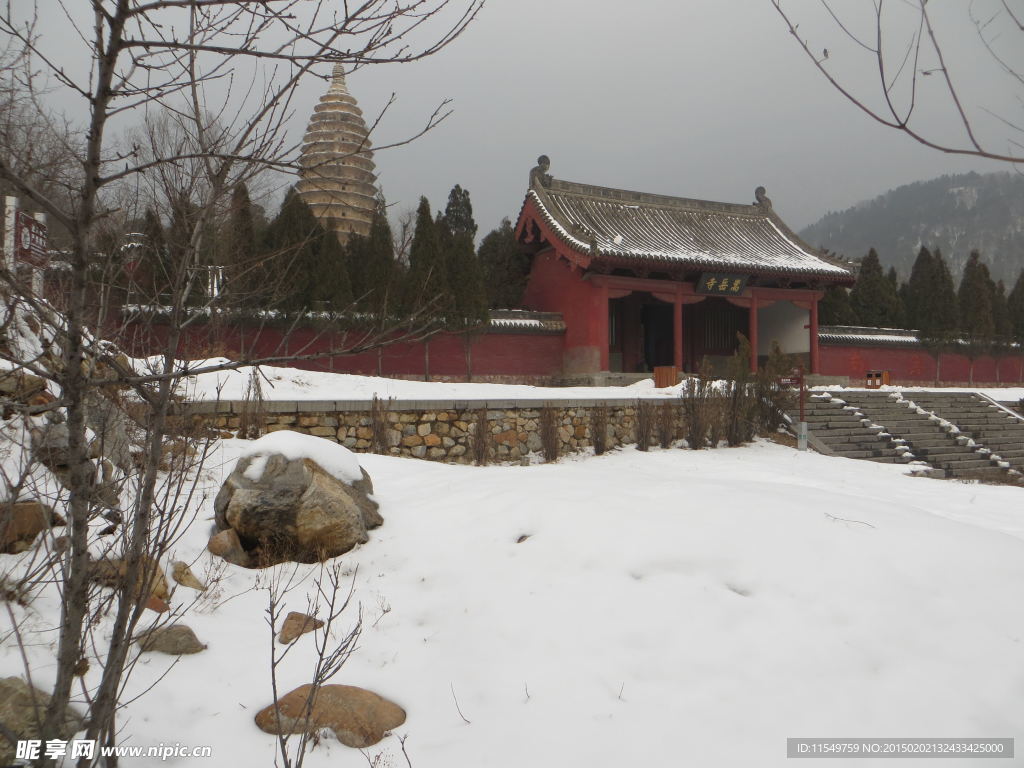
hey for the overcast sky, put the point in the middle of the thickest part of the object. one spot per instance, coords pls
(696, 98)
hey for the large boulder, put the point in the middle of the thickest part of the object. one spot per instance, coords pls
(22, 708)
(285, 508)
(359, 718)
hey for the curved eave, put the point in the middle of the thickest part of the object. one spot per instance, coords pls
(534, 204)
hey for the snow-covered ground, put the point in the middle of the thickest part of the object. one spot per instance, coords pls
(295, 384)
(670, 608)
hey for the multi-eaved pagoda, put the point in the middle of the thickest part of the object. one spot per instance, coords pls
(644, 280)
(338, 179)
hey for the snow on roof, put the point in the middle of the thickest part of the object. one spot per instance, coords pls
(703, 234)
(847, 334)
(524, 320)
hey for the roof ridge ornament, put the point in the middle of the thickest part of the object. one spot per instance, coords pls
(539, 176)
(761, 199)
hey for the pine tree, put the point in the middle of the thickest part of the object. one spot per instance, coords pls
(934, 301)
(239, 254)
(465, 276)
(1015, 310)
(151, 272)
(900, 316)
(458, 214)
(835, 308)
(505, 266)
(307, 261)
(974, 299)
(426, 286)
(1001, 313)
(920, 290)
(378, 269)
(873, 297)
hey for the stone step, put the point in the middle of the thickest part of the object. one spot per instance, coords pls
(940, 450)
(955, 464)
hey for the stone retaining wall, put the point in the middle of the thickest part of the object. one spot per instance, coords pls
(443, 430)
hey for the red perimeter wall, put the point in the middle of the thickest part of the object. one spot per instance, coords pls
(911, 366)
(528, 358)
(493, 355)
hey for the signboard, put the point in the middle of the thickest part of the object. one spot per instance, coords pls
(721, 284)
(29, 240)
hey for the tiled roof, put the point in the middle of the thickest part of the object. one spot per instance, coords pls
(860, 335)
(636, 226)
(524, 321)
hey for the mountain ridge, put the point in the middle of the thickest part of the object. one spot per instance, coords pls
(954, 213)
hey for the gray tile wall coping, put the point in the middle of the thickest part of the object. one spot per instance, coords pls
(337, 406)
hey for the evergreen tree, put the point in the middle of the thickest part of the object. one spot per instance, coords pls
(974, 299)
(506, 267)
(1015, 310)
(426, 285)
(835, 307)
(938, 318)
(873, 297)
(1001, 313)
(920, 290)
(378, 269)
(150, 273)
(307, 261)
(900, 317)
(458, 214)
(239, 254)
(466, 282)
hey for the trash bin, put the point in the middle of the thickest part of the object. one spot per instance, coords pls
(876, 379)
(665, 376)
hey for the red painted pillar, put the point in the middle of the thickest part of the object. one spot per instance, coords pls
(814, 335)
(677, 333)
(602, 325)
(753, 332)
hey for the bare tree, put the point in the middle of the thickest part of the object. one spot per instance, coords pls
(916, 57)
(225, 72)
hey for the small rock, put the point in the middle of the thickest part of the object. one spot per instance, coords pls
(296, 624)
(177, 640)
(111, 572)
(359, 718)
(22, 708)
(157, 604)
(182, 574)
(225, 544)
(21, 522)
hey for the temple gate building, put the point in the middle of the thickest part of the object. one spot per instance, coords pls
(338, 179)
(644, 280)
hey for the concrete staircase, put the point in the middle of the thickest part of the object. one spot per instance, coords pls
(984, 422)
(842, 430)
(958, 435)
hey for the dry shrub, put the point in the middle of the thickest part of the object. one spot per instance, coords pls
(253, 417)
(481, 443)
(697, 397)
(599, 428)
(667, 416)
(379, 424)
(645, 418)
(549, 438)
(739, 414)
(770, 399)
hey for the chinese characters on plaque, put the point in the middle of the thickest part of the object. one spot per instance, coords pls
(721, 284)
